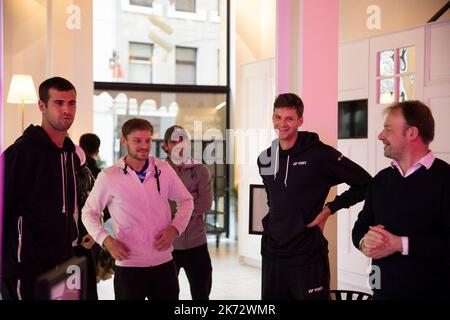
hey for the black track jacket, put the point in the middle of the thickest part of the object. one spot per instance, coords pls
(297, 182)
(39, 201)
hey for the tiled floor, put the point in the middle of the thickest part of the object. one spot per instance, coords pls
(231, 280)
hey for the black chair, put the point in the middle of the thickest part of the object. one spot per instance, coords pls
(349, 295)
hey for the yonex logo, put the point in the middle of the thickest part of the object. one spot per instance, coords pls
(314, 290)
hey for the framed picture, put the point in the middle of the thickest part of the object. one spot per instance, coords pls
(258, 208)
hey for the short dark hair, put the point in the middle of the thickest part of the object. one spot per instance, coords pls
(418, 115)
(136, 124)
(90, 143)
(289, 100)
(168, 135)
(57, 83)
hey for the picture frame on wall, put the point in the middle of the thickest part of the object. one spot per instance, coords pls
(258, 208)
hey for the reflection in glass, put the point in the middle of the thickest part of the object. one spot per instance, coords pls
(203, 115)
(406, 88)
(386, 91)
(387, 66)
(407, 58)
(190, 110)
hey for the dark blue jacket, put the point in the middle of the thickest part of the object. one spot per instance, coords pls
(297, 182)
(39, 203)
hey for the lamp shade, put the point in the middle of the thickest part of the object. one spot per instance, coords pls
(22, 89)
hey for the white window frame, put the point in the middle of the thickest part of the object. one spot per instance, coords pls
(187, 63)
(156, 9)
(198, 15)
(143, 62)
(397, 75)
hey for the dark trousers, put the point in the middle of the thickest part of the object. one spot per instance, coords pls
(197, 265)
(12, 289)
(91, 274)
(305, 282)
(158, 282)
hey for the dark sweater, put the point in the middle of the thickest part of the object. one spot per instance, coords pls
(417, 207)
(39, 202)
(297, 193)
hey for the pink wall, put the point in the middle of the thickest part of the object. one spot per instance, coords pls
(1, 130)
(318, 23)
(313, 75)
(319, 74)
(283, 44)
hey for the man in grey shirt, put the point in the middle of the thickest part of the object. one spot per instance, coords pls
(190, 248)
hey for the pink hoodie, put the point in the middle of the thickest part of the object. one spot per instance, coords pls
(138, 211)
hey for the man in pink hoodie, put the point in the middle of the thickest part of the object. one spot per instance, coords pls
(137, 190)
(191, 249)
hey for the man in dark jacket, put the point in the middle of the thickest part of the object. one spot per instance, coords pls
(90, 143)
(405, 223)
(41, 167)
(298, 172)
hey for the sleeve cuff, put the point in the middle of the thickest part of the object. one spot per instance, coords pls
(405, 246)
(176, 228)
(101, 237)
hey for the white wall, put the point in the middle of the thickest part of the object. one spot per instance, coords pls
(25, 51)
(258, 93)
(255, 50)
(38, 42)
(394, 16)
(436, 90)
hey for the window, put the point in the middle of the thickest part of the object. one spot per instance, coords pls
(145, 65)
(186, 65)
(193, 111)
(352, 119)
(142, 3)
(114, 30)
(185, 5)
(395, 75)
(140, 62)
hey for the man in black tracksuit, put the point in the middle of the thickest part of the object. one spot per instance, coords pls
(40, 179)
(298, 172)
(405, 223)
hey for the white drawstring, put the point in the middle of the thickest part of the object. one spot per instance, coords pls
(63, 185)
(287, 170)
(19, 253)
(75, 207)
(18, 290)
(19, 230)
